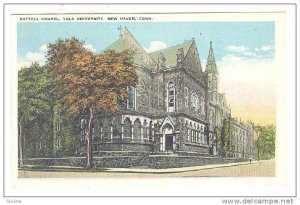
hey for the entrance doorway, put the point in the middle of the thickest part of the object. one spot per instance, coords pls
(169, 142)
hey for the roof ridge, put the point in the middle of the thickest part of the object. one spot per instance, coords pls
(126, 33)
(173, 46)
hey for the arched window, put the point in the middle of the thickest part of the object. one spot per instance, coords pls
(131, 100)
(194, 100)
(127, 128)
(137, 130)
(171, 96)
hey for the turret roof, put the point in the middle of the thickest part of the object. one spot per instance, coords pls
(211, 66)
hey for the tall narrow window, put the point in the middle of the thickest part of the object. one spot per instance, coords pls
(93, 133)
(131, 100)
(171, 97)
(186, 97)
(58, 126)
(158, 93)
(202, 107)
(58, 141)
(194, 100)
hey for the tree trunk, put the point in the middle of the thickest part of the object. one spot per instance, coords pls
(258, 149)
(20, 146)
(89, 140)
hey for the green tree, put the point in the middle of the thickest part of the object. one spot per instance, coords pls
(257, 131)
(228, 138)
(219, 139)
(35, 103)
(90, 82)
(265, 141)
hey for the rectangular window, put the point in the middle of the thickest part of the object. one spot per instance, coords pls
(131, 100)
(171, 96)
(193, 136)
(93, 133)
(158, 93)
(186, 97)
(58, 126)
(101, 132)
(83, 135)
(58, 143)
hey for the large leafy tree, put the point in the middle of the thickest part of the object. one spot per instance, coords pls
(265, 141)
(35, 102)
(90, 82)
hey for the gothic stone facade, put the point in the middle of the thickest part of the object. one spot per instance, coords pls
(174, 108)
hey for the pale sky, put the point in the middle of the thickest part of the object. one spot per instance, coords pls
(244, 53)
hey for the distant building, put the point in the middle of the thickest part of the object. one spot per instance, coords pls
(175, 107)
(242, 139)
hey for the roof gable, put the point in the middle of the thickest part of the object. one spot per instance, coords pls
(127, 41)
(170, 53)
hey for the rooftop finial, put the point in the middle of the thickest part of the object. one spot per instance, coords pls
(120, 29)
(210, 44)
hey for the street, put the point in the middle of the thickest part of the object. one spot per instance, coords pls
(259, 169)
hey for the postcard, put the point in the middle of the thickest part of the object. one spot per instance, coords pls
(141, 98)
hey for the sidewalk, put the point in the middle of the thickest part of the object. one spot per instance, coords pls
(138, 170)
(176, 170)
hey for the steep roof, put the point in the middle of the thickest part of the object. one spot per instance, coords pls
(211, 66)
(170, 53)
(119, 46)
(127, 41)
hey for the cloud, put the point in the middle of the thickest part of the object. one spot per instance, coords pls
(40, 56)
(90, 47)
(31, 57)
(155, 46)
(241, 50)
(265, 48)
(248, 80)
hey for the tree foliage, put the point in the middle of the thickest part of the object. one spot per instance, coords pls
(35, 102)
(89, 82)
(265, 143)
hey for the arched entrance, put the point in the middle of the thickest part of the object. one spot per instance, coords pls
(167, 142)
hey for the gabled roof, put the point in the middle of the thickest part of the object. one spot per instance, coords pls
(119, 46)
(211, 66)
(170, 53)
(127, 41)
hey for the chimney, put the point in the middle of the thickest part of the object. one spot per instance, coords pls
(161, 61)
(180, 55)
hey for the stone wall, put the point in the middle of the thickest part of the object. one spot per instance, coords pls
(161, 161)
(131, 159)
(190, 147)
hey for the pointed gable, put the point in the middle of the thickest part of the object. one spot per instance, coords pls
(211, 66)
(127, 41)
(170, 54)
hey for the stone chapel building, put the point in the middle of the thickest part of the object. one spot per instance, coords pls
(175, 107)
